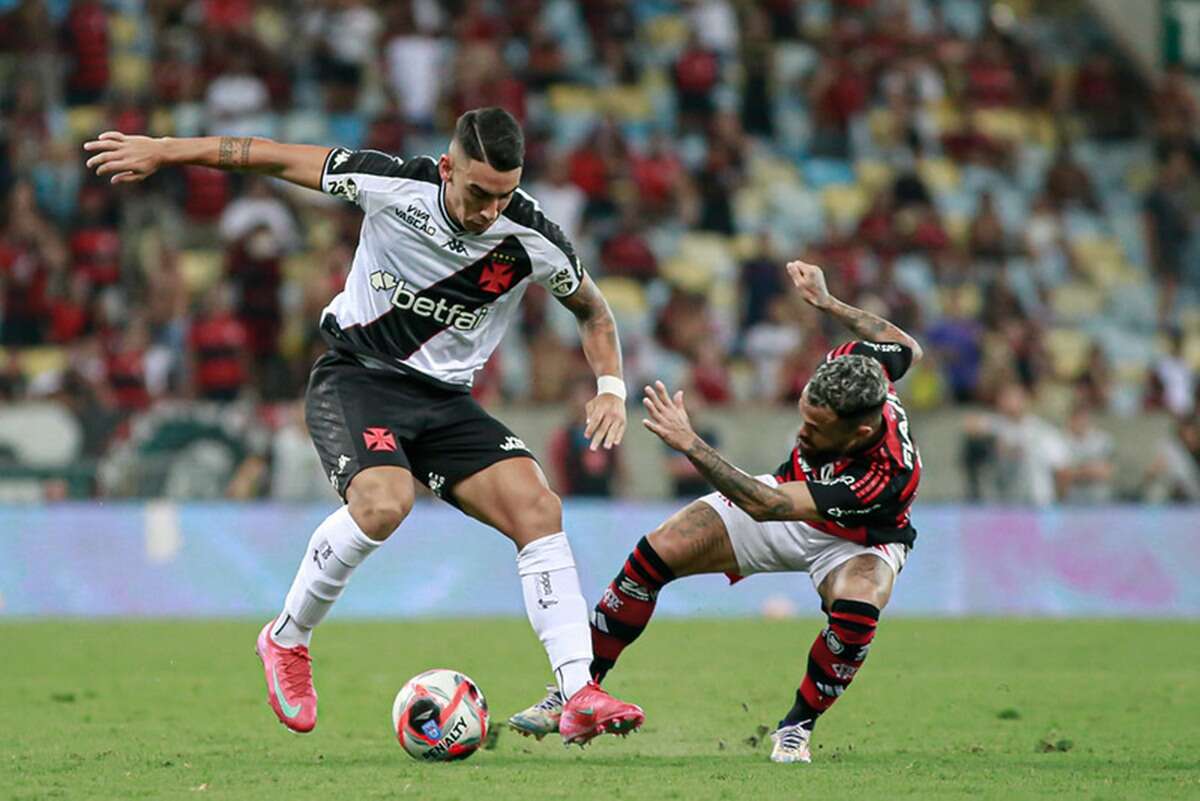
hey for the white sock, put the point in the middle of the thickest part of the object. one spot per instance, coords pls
(556, 609)
(336, 548)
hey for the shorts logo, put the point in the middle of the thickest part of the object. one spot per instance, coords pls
(340, 157)
(379, 439)
(513, 444)
(436, 483)
(833, 643)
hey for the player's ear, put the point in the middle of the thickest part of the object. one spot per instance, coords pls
(446, 167)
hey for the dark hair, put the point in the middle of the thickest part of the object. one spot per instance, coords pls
(493, 136)
(853, 386)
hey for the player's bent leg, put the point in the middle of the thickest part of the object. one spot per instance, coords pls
(855, 592)
(513, 497)
(690, 542)
(379, 498)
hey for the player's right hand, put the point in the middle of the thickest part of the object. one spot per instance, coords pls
(126, 158)
(810, 280)
(668, 417)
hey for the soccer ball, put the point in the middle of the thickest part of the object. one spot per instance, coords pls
(439, 716)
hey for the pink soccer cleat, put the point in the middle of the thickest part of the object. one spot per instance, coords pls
(592, 712)
(289, 682)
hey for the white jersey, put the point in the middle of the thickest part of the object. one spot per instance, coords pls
(424, 295)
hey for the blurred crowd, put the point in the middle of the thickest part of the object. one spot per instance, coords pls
(998, 181)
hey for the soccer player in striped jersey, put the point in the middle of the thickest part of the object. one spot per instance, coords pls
(837, 509)
(447, 248)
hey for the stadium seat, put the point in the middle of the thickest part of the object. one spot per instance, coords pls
(939, 174)
(874, 176)
(845, 204)
(38, 361)
(1068, 349)
(1076, 301)
(822, 172)
(85, 122)
(201, 269)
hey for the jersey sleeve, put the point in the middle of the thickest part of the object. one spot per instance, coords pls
(555, 265)
(360, 176)
(895, 358)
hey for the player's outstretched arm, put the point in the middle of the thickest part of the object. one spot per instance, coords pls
(130, 158)
(810, 280)
(668, 419)
(598, 331)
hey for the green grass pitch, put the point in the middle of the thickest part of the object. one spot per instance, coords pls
(976, 709)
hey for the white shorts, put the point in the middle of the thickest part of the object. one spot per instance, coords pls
(780, 546)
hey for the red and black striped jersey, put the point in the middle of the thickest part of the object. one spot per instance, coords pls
(865, 496)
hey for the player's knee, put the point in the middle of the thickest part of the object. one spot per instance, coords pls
(670, 545)
(380, 507)
(541, 512)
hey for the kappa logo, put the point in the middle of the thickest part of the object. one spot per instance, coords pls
(513, 444)
(455, 245)
(436, 482)
(340, 157)
(497, 276)
(379, 439)
(383, 281)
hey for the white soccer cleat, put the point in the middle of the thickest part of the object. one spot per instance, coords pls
(791, 744)
(540, 719)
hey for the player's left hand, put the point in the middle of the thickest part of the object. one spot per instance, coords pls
(668, 417)
(605, 421)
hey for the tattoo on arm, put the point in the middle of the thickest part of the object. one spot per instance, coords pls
(760, 501)
(596, 324)
(869, 326)
(227, 159)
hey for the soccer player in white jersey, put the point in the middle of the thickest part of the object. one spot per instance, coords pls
(446, 251)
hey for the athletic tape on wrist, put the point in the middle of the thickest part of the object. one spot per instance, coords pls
(610, 384)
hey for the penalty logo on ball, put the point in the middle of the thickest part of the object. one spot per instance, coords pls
(440, 716)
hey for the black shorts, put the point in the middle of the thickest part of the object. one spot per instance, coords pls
(359, 417)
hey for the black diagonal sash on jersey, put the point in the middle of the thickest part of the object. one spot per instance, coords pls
(403, 329)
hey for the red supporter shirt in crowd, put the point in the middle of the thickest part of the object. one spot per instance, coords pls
(218, 345)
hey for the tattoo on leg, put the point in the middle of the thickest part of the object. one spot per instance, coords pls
(698, 527)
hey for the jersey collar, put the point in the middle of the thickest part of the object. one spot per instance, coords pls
(455, 228)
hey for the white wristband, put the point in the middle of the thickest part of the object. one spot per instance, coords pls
(610, 384)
